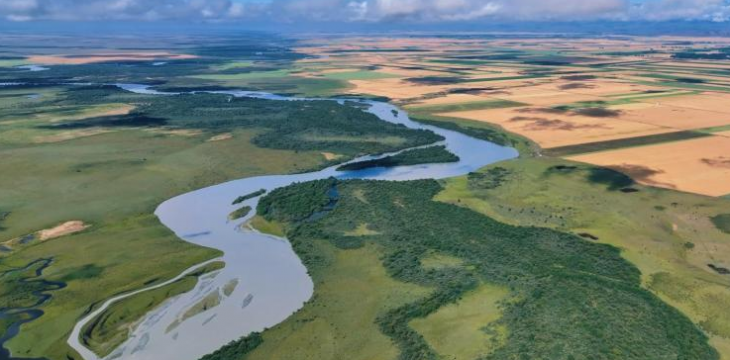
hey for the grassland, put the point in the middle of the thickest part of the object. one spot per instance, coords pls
(330, 327)
(122, 154)
(657, 230)
(467, 329)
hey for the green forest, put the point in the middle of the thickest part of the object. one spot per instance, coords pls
(569, 298)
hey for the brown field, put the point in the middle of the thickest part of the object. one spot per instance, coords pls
(546, 97)
(452, 99)
(694, 64)
(633, 106)
(603, 87)
(705, 101)
(409, 72)
(675, 117)
(699, 166)
(394, 88)
(550, 129)
(97, 58)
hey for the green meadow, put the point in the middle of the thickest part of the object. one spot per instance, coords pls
(109, 158)
(656, 230)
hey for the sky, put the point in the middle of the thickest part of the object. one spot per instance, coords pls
(364, 11)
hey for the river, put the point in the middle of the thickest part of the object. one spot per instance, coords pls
(272, 282)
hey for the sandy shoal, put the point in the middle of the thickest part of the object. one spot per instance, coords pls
(67, 228)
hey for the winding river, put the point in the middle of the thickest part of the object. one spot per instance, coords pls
(263, 282)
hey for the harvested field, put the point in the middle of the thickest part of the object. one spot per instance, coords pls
(450, 99)
(98, 58)
(704, 101)
(546, 97)
(676, 117)
(550, 128)
(693, 64)
(603, 87)
(624, 143)
(699, 166)
(466, 106)
(404, 72)
(395, 88)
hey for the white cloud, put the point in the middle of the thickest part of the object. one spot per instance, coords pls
(714, 10)
(453, 10)
(96, 10)
(366, 10)
(18, 5)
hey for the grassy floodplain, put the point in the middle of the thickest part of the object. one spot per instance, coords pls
(656, 229)
(106, 157)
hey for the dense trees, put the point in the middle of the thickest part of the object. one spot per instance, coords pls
(429, 155)
(571, 298)
(289, 125)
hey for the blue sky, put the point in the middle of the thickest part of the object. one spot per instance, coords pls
(363, 11)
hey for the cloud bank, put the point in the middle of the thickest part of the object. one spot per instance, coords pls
(364, 10)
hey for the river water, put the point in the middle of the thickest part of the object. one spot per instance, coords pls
(271, 283)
